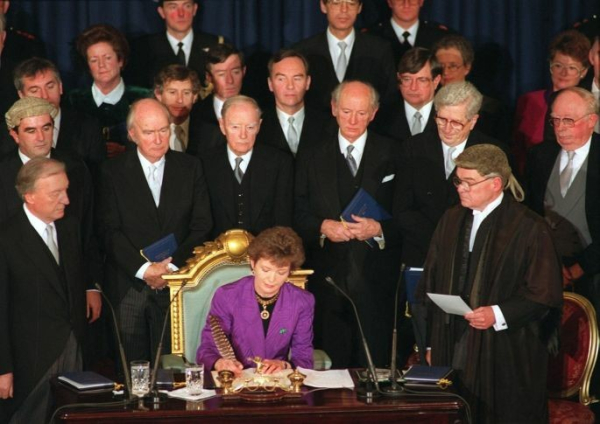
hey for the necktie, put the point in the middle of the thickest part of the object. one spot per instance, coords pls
(406, 34)
(292, 136)
(350, 160)
(416, 128)
(239, 174)
(51, 243)
(180, 54)
(566, 174)
(342, 63)
(154, 183)
(449, 165)
(180, 139)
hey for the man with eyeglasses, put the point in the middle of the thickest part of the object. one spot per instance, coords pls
(455, 55)
(341, 53)
(418, 75)
(250, 185)
(564, 182)
(499, 257)
(425, 187)
(405, 30)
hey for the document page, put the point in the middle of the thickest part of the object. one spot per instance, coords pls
(450, 304)
(330, 379)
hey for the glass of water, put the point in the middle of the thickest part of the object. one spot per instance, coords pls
(194, 379)
(140, 378)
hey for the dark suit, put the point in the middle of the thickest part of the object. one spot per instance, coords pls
(391, 122)
(427, 35)
(324, 187)
(20, 45)
(539, 167)
(205, 133)
(129, 221)
(371, 60)
(267, 193)
(314, 124)
(41, 303)
(153, 52)
(424, 193)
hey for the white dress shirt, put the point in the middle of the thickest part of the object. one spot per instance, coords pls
(578, 158)
(187, 44)
(412, 38)
(111, 98)
(334, 49)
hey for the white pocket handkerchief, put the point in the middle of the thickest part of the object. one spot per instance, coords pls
(388, 178)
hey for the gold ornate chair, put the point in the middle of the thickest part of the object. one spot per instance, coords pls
(216, 263)
(570, 372)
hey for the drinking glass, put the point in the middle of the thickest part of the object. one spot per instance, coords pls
(140, 378)
(194, 379)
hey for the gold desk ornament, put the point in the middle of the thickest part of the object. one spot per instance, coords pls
(226, 379)
(297, 379)
(444, 383)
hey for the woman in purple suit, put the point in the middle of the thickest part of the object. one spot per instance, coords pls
(264, 315)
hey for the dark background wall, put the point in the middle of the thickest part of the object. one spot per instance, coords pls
(510, 36)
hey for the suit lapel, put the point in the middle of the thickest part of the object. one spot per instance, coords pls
(370, 162)
(40, 257)
(136, 174)
(253, 323)
(259, 181)
(222, 184)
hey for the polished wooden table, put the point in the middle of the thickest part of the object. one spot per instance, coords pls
(326, 406)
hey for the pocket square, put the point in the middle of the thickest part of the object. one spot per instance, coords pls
(388, 178)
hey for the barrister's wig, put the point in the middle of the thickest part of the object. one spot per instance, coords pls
(26, 108)
(490, 161)
(279, 245)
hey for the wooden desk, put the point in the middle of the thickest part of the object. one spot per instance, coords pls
(326, 406)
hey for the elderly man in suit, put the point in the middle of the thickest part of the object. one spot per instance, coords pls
(225, 70)
(74, 131)
(30, 123)
(425, 187)
(291, 126)
(145, 195)
(361, 256)
(42, 293)
(405, 30)
(250, 185)
(179, 44)
(564, 178)
(342, 54)
(419, 75)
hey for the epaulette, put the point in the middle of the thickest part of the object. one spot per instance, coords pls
(378, 25)
(437, 25)
(590, 27)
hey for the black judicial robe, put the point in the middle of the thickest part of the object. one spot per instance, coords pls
(518, 269)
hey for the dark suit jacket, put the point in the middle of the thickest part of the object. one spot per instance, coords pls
(81, 198)
(37, 314)
(152, 53)
(129, 219)
(314, 124)
(391, 122)
(540, 162)
(424, 193)
(371, 60)
(81, 134)
(427, 35)
(271, 189)
(205, 133)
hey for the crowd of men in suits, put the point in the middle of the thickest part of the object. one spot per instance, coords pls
(376, 110)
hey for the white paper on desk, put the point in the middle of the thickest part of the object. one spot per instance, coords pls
(183, 394)
(450, 304)
(330, 379)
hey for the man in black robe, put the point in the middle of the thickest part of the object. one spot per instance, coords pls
(499, 257)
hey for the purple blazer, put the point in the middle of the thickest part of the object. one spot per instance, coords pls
(290, 328)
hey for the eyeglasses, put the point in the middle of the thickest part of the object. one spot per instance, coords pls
(350, 3)
(570, 70)
(455, 125)
(467, 185)
(407, 81)
(566, 122)
(452, 67)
